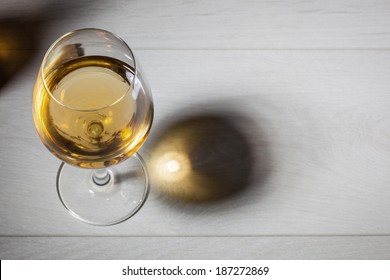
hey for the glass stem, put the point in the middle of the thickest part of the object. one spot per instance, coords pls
(101, 177)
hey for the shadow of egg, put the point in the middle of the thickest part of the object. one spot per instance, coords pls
(201, 158)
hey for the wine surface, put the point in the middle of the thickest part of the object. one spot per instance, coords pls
(88, 114)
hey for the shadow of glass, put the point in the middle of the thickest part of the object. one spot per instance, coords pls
(206, 157)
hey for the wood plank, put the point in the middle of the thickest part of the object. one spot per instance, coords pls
(316, 123)
(234, 24)
(281, 247)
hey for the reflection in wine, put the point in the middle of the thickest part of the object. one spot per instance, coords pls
(86, 113)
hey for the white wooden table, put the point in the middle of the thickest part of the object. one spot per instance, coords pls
(311, 77)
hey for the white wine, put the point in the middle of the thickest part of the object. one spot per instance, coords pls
(88, 112)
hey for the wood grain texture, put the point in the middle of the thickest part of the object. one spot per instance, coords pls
(322, 117)
(304, 82)
(233, 24)
(285, 248)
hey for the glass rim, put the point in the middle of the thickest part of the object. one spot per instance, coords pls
(56, 42)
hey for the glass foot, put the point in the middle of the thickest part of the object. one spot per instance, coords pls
(108, 201)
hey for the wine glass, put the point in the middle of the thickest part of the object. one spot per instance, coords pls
(93, 109)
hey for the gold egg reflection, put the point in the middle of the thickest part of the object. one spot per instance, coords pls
(200, 159)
